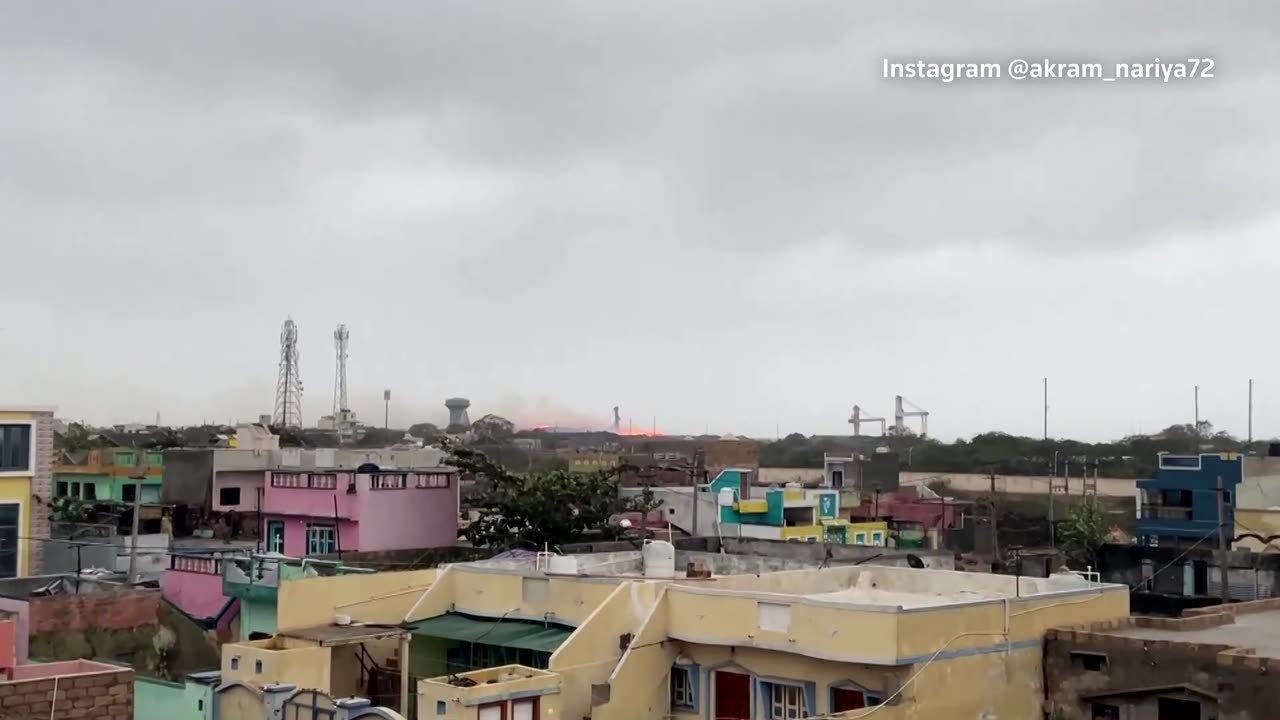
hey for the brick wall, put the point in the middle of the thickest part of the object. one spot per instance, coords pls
(41, 487)
(100, 696)
(109, 610)
(1241, 681)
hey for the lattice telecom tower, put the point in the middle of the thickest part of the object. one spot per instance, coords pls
(340, 338)
(288, 410)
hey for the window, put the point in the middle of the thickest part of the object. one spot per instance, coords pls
(15, 448)
(124, 459)
(10, 514)
(75, 489)
(877, 538)
(229, 496)
(860, 538)
(787, 702)
(275, 536)
(235, 663)
(1092, 662)
(150, 493)
(837, 478)
(90, 491)
(60, 488)
(773, 617)
(257, 667)
(128, 492)
(441, 707)
(847, 698)
(321, 539)
(683, 696)
(1226, 497)
(1103, 711)
(396, 481)
(433, 480)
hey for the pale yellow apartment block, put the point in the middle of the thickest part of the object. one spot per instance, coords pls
(602, 638)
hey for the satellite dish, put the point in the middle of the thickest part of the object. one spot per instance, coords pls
(915, 561)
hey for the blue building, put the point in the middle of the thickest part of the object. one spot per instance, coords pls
(1179, 506)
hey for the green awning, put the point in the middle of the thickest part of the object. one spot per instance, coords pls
(505, 633)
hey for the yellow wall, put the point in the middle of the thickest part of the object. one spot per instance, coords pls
(1262, 522)
(307, 667)
(639, 685)
(590, 655)
(382, 597)
(463, 703)
(566, 600)
(18, 489)
(734, 621)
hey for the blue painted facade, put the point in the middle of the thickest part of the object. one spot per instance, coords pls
(1180, 504)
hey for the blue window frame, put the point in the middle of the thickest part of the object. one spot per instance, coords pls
(684, 687)
(782, 699)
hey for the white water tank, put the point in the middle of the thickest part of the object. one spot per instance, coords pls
(659, 559)
(725, 497)
(562, 565)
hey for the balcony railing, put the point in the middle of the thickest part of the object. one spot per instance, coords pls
(318, 481)
(196, 564)
(1165, 512)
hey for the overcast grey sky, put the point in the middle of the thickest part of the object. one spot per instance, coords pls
(720, 214)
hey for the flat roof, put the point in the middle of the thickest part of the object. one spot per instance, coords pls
(1260, 631)
(343, 634)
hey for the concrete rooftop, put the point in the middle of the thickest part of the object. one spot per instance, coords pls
(1260, 631)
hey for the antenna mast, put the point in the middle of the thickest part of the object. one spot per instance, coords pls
(340, 338)
(288, 408)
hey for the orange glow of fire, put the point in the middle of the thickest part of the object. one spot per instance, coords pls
(651, 433)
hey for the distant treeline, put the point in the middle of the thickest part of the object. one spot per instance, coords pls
(1004, 454)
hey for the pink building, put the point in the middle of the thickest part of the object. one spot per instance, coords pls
(319, 512)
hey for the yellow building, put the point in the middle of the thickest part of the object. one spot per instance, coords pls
(26, 487)
(621, 636)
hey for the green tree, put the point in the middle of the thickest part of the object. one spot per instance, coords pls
(425, 430)
(1082, 533)
(542, 508)
(493, 429)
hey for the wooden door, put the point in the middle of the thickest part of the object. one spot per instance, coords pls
(733, 695)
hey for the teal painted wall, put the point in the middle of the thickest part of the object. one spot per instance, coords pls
(828, 505)
(160, 700)
(775, 500)
(197, 698)
(257, 616)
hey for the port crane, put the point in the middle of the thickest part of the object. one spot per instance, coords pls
(900, 415)
(858, 418)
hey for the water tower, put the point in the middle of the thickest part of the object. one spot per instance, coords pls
(458, 419)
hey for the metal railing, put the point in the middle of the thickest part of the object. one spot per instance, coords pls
(1165, 512)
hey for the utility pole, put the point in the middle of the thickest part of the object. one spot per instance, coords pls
(1053, 471)
(694, 474)
(995, 539)
(133, 537)
(1196, 450)
(1046, 408)
(1222, 541)
(1251, 410)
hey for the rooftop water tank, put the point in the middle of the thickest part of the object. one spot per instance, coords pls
(659, 559)
(562, 565)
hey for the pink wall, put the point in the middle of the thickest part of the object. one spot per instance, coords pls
(295, 533)
(309, 501)
(8, 653)
(413, 517)
(197, 594)
(61, 669)
(22, 625)
(249, 482)
(372, 519)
